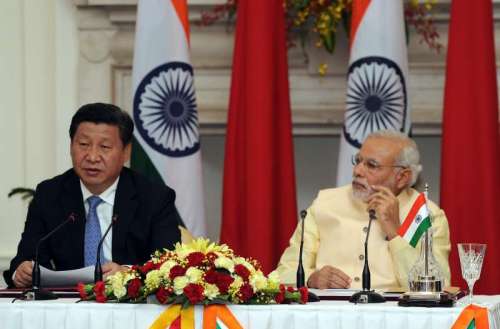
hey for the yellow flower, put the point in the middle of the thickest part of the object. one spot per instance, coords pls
(273, 280)
(211, 291)
(153, 280)
(224, 262)
(237, 283)
(180, 283)
(258, 281)
(322, 69)
(194, 275)
(165, 268)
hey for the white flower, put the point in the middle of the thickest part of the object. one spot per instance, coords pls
(166, 267)
(153, 280)
(211, 291)
(194, 275)
(258, 281)
(224, 262)
(180, 283)
(273, 280)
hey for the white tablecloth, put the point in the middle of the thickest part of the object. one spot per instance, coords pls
(65, 313)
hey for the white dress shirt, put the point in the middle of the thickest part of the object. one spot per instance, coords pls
(104, 212)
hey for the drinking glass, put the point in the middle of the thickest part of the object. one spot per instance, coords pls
(471, 262)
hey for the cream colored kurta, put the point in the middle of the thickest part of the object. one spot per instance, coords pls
(335, 230)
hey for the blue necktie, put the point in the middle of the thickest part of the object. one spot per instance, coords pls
(92, 232)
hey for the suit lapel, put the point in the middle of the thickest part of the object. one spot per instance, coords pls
(72, 203)
(124, 208)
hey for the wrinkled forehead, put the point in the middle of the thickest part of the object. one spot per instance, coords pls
(381, 149)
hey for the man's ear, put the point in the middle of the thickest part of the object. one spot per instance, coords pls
(128, 152)
(403, 178)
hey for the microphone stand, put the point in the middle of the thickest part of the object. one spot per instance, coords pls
(311, 297)
(36, 292)
(366, 295)
(98, 266)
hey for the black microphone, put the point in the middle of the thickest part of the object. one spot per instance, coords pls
(300, 268)
(36, 292)
(98, 267)
(366, 295)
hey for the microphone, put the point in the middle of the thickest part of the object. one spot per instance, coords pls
(300, 268)
(36, 292)
(98, 267)
(366, 295)
(311, 297)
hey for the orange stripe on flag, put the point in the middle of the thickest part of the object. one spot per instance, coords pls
(411, 215)
(472, 312)
(182, 12)
(213, 312)
(358, 11)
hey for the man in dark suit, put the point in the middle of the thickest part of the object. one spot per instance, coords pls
(97, 189)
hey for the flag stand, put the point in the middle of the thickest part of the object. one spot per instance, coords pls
(425, 278)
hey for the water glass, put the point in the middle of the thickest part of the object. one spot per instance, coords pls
(471, 262)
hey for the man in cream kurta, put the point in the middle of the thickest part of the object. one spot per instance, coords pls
(336, 224)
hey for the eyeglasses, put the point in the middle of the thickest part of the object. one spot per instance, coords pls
(372, 165)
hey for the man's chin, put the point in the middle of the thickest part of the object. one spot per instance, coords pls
(361, 195)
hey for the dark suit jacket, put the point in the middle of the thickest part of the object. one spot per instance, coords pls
(147, 220)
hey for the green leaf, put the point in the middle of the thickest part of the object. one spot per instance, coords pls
(329, 42)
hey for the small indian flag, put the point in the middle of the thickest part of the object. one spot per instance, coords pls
(417, 221)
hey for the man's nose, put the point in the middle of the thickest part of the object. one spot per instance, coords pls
(93, 154)
(358, 170)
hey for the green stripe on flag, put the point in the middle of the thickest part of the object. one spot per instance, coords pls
(426, 223)
(472, 324)
(140, 162)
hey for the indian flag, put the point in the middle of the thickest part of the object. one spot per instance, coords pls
(166, 144)
(417, 221)
(219, 317)
(377, 97)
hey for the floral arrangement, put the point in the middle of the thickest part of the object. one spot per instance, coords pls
(199, 272)
(322, 18)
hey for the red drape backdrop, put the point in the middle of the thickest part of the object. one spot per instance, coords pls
(259, 200)
(470, 167)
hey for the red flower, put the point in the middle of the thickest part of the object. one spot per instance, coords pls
(146, 267)
(82, 291)
(223, 282)
(304, 295)
(246, 292)
(211, 276)
(162, 295)
(242, 271)
(195, 258)
(280, 297)
(211, 257)
(157, 266)
(282, 288)
(100, 292)
(290, 289)
(194, 292)
(100, 298)
(176, 271)
(133, 288)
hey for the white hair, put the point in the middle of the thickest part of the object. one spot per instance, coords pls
(408, 157)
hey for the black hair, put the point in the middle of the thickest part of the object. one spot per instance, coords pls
(104, 113)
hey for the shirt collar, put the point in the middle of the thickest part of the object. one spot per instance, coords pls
(107, 196)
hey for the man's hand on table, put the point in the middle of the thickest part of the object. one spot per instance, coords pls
(329, 277)
(111, 268)
(22, 276)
